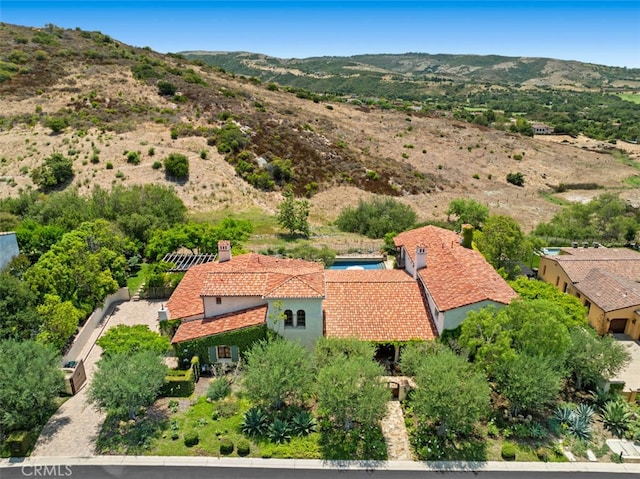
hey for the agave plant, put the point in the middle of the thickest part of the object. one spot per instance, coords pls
(579, 426)
(563, 414)
(616, 417)
(585, 411)
(303, 423)
(279, 431)
(255, 422)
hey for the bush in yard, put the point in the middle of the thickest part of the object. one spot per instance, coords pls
(218, 389)
(508, 451)
(255, 422)
(616, 417)
(303, 423)
(279, 431)
(226, 408)
(244, 447)
(191, 439)
(226, 446)
(177, 166)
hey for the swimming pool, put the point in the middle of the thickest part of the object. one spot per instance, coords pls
(551, 251)
(355, 263)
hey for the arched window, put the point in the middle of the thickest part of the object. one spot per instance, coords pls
(288, 318)
(301, 319)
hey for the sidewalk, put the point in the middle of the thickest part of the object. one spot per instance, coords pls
(303, 464)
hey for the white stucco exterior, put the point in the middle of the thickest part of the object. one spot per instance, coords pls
(307, 335)
(229, 304)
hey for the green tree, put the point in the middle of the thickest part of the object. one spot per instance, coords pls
(377, 218)
(293, 215)
(593, 359)
(60, 321)
(576, 313)
(277, 373)
(467, 211)
(350, 393)
(30, 380)
(177, 166)
(123, 340)
(56, 170)
(328, 349)
(18, 316)
(123, 383)
(502, 243)
(451, 395)
(537, 328)
(84, 267)
(530, 384)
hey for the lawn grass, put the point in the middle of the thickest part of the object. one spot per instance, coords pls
(632, 97)
(134, 282)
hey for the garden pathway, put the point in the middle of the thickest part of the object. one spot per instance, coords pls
(73, 430)
(395, 433)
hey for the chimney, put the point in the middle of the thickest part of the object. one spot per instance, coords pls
(163, 313)
(224, 251)
(421, 259)
(467, 236)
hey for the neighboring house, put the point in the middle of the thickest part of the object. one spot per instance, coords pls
(604, 279)
(8, 248)
(302, 302)
(456, 279)
(542, 129)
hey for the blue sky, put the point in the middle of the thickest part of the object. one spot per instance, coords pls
(603, 32)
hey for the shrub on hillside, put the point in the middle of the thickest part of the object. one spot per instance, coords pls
(55, 170)
(177, 166)
(515, 179)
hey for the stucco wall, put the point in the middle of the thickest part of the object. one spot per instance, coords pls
(454, 317)
(550, 271)
(8, 248)
(230, 304)
(313, 329)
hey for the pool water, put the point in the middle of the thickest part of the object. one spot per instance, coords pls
(355, 264)
(551, 251)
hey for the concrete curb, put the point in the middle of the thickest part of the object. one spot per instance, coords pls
(305, 464)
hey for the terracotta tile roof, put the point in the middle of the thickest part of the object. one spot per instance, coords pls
(200, 328)
(578, 262)
(609, 291)
(375, 305)
(246, 275)
(455, 276)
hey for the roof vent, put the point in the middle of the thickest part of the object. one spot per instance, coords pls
(574, 244)
(596, 244)
(585, 244)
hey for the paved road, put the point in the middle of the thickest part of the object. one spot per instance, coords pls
(197, 472)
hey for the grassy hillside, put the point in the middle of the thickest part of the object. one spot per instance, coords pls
(118, 111)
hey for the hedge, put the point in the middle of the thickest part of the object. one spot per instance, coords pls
(179, 383)
(18, 443)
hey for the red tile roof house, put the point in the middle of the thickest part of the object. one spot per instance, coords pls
(302, 302)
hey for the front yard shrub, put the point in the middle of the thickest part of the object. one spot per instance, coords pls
(244, 447)
(191, 439)
(18, 443)
(226, 446)
(218, 389)
(616, 417)
(178, 383)
(303, 423)
(226, 408)
(255, 422)
(279, 431)
(508, 451)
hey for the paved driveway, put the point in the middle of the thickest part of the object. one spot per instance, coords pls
(74, 428)
(630, 374)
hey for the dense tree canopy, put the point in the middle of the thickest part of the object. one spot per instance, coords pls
(60, 321)
(293, 215)
(376, 218)
(502, 243)
(84, 267)
(18, 316)
(123, 383)
(451, 395)
(278, 373)
(30, 380)
(467, 211)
